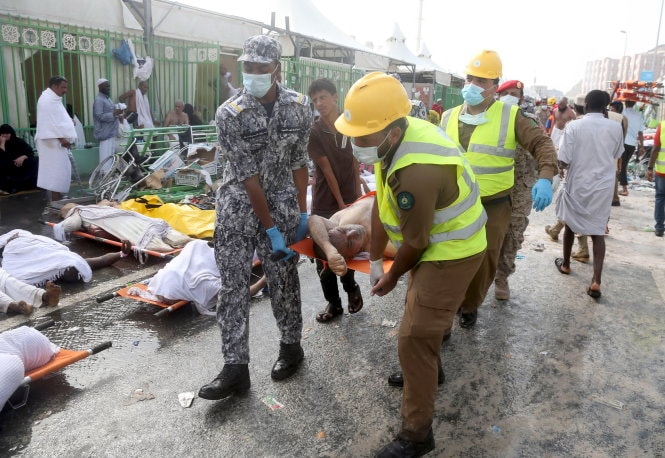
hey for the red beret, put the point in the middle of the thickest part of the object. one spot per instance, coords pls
(510, 85)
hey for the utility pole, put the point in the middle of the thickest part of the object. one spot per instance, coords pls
(420, 25)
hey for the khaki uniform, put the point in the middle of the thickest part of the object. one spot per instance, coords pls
(531, 137)
(436, 288)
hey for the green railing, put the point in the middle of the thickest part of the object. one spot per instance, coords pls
(32, 51)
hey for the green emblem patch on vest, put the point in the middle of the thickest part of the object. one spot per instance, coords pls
(405, 200)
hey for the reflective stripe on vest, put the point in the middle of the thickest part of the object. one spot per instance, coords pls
(660, 160)
(491, 150)
(457, 231)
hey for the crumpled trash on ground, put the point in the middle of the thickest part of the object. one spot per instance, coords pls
(185, 399)
(388, 323)
(272, 403)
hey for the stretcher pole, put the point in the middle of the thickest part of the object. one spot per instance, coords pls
(114, 242)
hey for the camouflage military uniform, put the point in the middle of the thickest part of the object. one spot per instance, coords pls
(520, 197)
(271, 147)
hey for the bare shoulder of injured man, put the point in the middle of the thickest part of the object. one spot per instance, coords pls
(344, 235)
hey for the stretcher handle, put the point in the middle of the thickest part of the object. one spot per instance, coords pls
(44, 325)
(101, 347)
(105, 297)
(163, 312)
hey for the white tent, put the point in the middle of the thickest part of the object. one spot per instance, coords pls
(426, 63)
(395, 47)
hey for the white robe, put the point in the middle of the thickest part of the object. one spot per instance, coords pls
(142, 231)
(21, 350)
(14, 290)
(590, 146)
(53, 122)
(143, 110)
(191, 276)
(36, 259)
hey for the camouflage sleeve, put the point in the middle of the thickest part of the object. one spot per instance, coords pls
(235, 150)
(535, 140)
(299, 155)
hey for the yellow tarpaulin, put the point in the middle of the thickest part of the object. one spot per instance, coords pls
(185, 218)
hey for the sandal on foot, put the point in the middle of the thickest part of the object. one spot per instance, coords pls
(582, 259)
(558, 262)
(329, 313)
(355, 300)
(595, 293)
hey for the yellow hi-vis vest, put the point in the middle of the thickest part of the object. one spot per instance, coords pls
(458, 230)
(491, 150)
(660, 160)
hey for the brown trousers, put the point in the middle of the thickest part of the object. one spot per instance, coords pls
(498, 222)
(435, 292)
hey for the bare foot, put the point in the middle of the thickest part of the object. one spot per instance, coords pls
(126, 248)
(20, 307)
(52, 295)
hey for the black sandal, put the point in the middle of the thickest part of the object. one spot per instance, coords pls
(329, 313)
(355, 300)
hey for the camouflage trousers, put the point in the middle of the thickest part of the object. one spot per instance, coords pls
(512, 242)
(233, 254)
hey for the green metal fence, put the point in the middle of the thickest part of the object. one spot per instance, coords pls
(298, 74)
(32, 51)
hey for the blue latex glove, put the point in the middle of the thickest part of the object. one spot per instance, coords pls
(302, 230)
(542, 194)
(279, 250)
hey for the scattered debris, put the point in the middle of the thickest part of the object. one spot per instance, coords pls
(272, 403)
(186, 399)
(519, 256)
(608, 402)
(136, 343)
(320, 435)
(539, 246)
(543, 352)
(140, 395)
(388, 323)
(496, 429)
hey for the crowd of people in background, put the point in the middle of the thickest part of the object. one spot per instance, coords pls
(454, 190)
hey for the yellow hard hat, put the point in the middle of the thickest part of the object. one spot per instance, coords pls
(373, 102)
(487, 64)
(551, 101)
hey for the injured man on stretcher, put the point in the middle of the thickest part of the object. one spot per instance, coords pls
(143, 232)
(345, 235)
(191, 276)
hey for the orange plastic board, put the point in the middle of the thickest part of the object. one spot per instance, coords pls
(62, 358)
(124, 293)
(306, 247)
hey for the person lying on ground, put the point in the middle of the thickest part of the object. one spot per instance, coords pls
(17, 296)
(345, 234)
(35, 259)
(21, 350)
(143, 232)
(192, 276)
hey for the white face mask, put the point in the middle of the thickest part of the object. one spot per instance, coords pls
(257, 85)
(473, 120)
(367, 154)
(509, 99)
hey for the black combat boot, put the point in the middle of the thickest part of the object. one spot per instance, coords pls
(402, 448)
(290, 357)
(234, 379)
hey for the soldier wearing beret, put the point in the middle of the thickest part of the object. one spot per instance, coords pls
(512, 93)
(261, 204)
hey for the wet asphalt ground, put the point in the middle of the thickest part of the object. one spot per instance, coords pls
(549, 373)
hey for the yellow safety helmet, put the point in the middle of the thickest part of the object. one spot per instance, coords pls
(373, 102)
(551, 101)
(487, 64)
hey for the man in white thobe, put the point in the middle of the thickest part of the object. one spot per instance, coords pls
(55, 134)
(589, 148)
(19, 297)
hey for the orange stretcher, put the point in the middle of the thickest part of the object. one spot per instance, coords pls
(158, 254)
(306, 248)
(61, 359)
(124, 292)
(257, 273)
